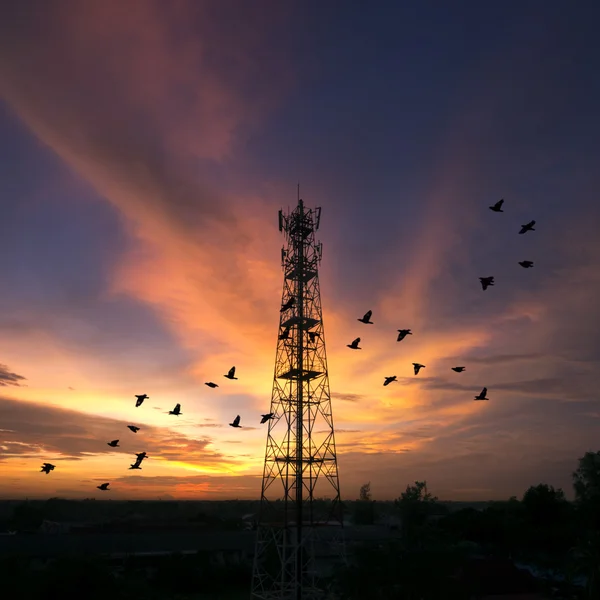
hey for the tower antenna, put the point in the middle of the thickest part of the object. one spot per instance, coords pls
(300, 504)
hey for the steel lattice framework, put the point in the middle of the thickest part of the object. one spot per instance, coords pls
(300, 513)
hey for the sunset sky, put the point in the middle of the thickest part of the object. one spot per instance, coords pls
(145, 149)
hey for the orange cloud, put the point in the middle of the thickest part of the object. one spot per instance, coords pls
(141, 109)
(198, 262)
(76, 443)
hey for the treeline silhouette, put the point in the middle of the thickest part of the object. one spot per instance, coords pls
(28, 515)
(437, 552)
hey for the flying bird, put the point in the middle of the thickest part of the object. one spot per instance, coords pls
(266, 417)
(486, 282)
(482, 395)
(236, 422)
(231, 373)
(176, 411)
(354, 344)
(113, 444)
(458, 369)
(140, 399)
(528, 227)
(402, 333)
(498, 206)
(133, 428)
(526, 264)
(138, 461)
(103, 486)
(418, 367)
(47, 467)
(288, 304)
(389, 380)
(366, 318)
(211, 384)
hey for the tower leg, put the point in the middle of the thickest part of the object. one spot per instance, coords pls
(300, 522)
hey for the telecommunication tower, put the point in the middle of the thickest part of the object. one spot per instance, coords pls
(300, 511)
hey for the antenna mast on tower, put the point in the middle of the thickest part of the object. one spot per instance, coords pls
(300, 498)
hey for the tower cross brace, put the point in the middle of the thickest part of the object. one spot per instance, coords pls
(299, 529)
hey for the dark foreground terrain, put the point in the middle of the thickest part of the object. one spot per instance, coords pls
(414, 548)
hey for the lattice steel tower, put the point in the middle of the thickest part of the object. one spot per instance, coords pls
(300, 499)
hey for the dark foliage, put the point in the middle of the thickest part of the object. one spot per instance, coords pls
(442, 552)
(468, 553)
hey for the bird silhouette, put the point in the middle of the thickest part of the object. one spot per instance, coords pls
(482, 395)
(527, 227)
(498, 206)
(366, 318)
(140, 399)
(486, 282)
(418, 367)
(288, 304)
(236, 422)
(389, 380)
(402, 333)
(210, 384)
(266, 417)
(138, 461)
(458, 369)
(113, 444)
(47, 467)
(526, 264)
(231, 374)
(103, 486)
(176, 411)
(354, 344)
(133, 428)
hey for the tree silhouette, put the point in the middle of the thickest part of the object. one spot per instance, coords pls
(365, 492)
(586, 483)
(364, 508)
(416, 499)
(545, 526)
(543, 504)
(586, 479)
(415, 506)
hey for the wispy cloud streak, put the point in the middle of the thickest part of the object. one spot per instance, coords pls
(9, 378)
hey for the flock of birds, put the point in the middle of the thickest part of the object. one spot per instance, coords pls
(47, 467)
(366, 319)
(485, 283)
